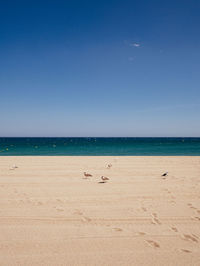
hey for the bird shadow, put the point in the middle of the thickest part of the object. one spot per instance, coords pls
(101, 182)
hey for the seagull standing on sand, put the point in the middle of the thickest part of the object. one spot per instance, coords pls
(87, 175)
(104, 178)
(165, 174)
(13, 167)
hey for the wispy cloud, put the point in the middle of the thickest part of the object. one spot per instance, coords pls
(132, 44)
(135, 44)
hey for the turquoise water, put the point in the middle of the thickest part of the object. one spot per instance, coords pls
(99, 146)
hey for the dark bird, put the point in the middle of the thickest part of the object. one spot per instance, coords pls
(165, 174)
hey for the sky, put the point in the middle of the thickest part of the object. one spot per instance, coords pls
(100, 68)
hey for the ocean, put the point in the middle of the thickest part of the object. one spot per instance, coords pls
(100, 146)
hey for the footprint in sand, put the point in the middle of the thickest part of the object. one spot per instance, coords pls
(191, 206)
(186, 250)
(153, 243)
(141, 233)
(83, 218)
(195, 236)
(78, 212)
(190, 238)
(59, 209)
(144, 209)
(58, 200)
(174, 229)
(196, 218)
(86, 219)
(155, 220)
(117, 229)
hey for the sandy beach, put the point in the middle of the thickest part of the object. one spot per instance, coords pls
(51, 215)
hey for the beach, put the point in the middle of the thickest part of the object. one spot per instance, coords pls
(51, 215)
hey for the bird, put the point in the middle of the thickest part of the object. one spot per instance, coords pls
(109, 166)
(104, 178)
(165, 174)
(13, 167)
(87, 175)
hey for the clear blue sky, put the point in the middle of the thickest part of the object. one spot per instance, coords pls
(100, 68)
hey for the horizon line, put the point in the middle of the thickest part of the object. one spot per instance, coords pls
(100, 137)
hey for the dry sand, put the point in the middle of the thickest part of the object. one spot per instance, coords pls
(50, 215)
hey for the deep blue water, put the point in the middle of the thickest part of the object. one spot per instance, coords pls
(100, 146)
